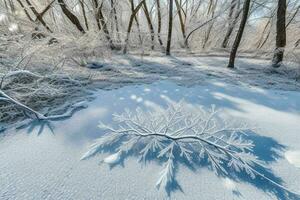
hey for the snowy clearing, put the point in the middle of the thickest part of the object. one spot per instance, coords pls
(46, 164)
(149, 99)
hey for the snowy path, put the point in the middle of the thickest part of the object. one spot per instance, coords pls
(48, 166)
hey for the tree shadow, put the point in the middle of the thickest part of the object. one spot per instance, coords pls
(32, 123)
(35, 124)
(266, 149)
(197, 71)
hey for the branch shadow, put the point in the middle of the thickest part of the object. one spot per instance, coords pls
(266, 149)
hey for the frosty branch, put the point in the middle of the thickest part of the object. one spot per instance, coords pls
(180, 131)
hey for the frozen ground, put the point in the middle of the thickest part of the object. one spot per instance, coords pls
(38, 164)
(118, 71)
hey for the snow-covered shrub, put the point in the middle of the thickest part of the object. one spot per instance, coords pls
(24, 94)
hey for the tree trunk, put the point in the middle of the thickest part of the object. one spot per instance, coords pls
(96, 12)
(297, 43)
(159, 23)
(212, 9)
(104, 26)
(134, 11)
(38, 16)
(112, 4)
(232, 21)
(168, 49)
(181, 21)
(84, 14)
(280, 35)
(71, 16)
(239, 34)
(25, 10)
(149, 24)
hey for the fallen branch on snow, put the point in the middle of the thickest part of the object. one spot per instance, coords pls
(24, 94)
(181, 132)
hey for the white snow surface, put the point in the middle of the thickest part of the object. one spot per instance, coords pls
(48, 166)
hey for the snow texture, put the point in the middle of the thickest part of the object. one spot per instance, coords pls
(47, 165)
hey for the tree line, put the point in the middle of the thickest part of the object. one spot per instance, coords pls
(166, 24)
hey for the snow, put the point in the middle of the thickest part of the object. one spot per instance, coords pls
(293, 157)
(13, 27)
(134, 69)
(48, 165)
(112, 159)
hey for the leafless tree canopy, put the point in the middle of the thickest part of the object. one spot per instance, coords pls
(162, 25)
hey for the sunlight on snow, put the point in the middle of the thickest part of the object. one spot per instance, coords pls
(152, 105)
(147, 90)
(229, 184)
(293, 157)
(133, 97)
(136, 98)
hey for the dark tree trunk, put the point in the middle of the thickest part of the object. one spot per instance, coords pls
(96, 6)
(84, 14)
(239, 35)
(297, 43)
(232, 21)
(281, 34)
(181, 20)
(39, 17)
(148, 17)
(134, 11)
(113, 7)
(25, 10)
(70, 16)
(159, 23)
(168, 49)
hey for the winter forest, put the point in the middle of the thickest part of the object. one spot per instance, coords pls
(150, 99)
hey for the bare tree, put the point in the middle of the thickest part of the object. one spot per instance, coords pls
(39, 16)
(168, 49)
(239, 34)
(114, 10)
(211, 11)
(134, 11)
(233, 19)
(280, 34)
(159, 22)
(25, 10)
(263, 39)
(181, 20)
(82, 5)
(70, 16)
(100, 17)
(150, 25)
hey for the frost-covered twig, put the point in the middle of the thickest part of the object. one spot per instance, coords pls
(181, 131)
(24, 93)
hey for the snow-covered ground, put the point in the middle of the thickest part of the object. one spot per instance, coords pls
(46, 164)
(119, 70)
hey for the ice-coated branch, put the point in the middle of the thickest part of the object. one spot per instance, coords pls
(181, 131)
(23, 93)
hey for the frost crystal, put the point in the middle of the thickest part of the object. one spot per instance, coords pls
(179, 132)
